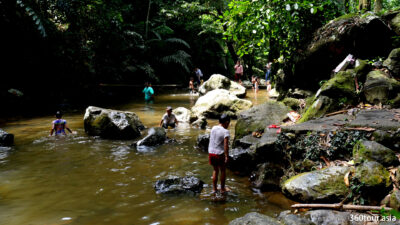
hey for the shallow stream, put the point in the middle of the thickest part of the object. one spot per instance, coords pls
(86, 180)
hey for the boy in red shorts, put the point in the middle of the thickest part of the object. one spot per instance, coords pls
(218, 151)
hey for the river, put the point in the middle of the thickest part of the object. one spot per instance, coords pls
(87, 180)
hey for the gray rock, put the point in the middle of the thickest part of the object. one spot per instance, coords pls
(393, 62)
(241, 161)
(6, 139)
(340, 86)
(379, 119)
(267, 177)
(155, 136)
(218, 81)
(379, 87)
(287, 218)
(203, 141)
(326, 185)
(324, 124)
(200, 123)
(395, 200)
(217, 102)
(255, 219)
(112, 124)
(259, 117)
(373, 151)
(179, 185)
(319, 107)
(299, 94)
(331, 217)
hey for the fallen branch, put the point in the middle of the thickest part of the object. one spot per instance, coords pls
(340, 206)
(336, 113)
(360, 128)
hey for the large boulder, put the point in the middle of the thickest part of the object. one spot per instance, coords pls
(155, 136)
(183, 115)
(326, 185)
(6, 139)
(112, 124)
(373, 151)
(218, 81)
(332, 217)
(379, 87)
(255, 219)
(364, 36)
(393, 62)
(217, 102)
(259, 117)
(179, 185)
(241, 161)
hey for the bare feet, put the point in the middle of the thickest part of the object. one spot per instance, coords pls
(224, 190)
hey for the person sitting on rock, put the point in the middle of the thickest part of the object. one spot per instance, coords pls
(59, 125)
(169, 119)
(218, 151)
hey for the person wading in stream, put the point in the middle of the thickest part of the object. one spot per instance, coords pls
(218, 151)
(169, 119)
(59, 125)
(148, 93)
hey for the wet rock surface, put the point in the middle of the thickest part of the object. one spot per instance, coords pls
(155, 136)
(373, 151)
(112, 124)
(267, 177)
(6, 139)
(179, 185)
(203, 140)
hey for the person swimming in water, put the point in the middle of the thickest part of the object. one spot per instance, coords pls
(59, 125)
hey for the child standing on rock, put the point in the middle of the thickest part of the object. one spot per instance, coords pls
(218, 151)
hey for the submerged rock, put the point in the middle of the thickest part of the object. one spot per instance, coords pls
(217, 102)
(218, 81)
(255, 219)
(203, 141)
(112, 124)
(179, 185)
(259, 117)
(6, 139)
(155, 136)
(326, 185)
(379, 87)
(373, 151)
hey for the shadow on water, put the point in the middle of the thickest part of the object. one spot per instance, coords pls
(87, 180)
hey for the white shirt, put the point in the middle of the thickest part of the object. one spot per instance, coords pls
(217, 136)
(168, 119)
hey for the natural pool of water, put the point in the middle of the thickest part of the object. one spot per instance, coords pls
(87, 180)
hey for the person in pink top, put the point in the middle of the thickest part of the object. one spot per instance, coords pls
(238, 71)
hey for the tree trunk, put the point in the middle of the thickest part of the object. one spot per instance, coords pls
(378, 6)
(147, 20)
(346, 6)
(364, 5)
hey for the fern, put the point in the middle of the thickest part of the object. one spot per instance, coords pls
(180, 57)
(35, 17)
(178, 41)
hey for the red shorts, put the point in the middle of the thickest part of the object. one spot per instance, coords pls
(216, 160)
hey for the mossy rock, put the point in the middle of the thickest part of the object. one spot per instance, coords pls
(393, 62)
(395, 200)
(395, 23)
(326, 185)
(320, 106)
(254, 218)
(373, 174)
(362, 69)
(379, 87)
(373, 151)
(293, 103)
(341, 85)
